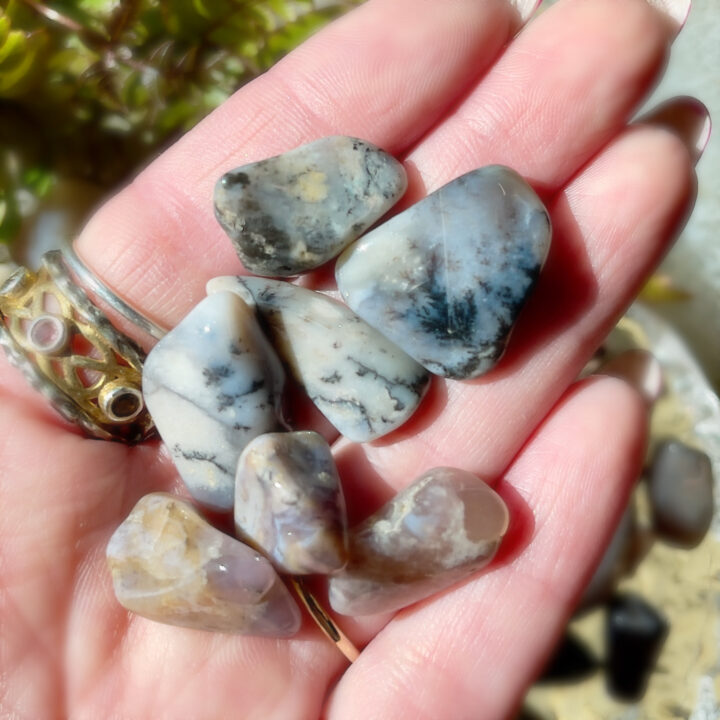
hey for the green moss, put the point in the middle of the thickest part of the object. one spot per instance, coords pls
(90, 89)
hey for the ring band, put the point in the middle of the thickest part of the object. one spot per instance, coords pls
(323, 620)
(69, 351)
(93, 283)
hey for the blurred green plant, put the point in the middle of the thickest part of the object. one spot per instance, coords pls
(90, 88)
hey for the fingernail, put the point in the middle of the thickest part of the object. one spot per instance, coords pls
(688, 118)
(676, 10)
(525, 8)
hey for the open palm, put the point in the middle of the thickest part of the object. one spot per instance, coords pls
(448, 87)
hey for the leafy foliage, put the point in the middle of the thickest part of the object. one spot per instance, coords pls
(90, 88)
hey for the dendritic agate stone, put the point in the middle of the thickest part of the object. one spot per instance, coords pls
(289, 502)
(212, 384)
(363, 384)
(169, 565)
(447, 278)
(294, 212)
(441, 529)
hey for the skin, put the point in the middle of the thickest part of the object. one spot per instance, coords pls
(552, 102)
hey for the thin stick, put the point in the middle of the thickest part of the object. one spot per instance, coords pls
(55, 16)
(325, 622)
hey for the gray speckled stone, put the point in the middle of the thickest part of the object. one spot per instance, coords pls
(436, 532)
(294, 212)
(681, 492)
(447, 278)
(289, 502)
(212, 384)
(168, 564)
(363, 384)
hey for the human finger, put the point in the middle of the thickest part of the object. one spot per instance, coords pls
(566, 85)
(472, 651)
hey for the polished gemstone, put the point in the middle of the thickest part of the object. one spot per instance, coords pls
(681, 492)
(363, 383)
(635, 633)
(168, 564)
(571, 661)
(212, 384)
(294, 212)
(289, 502)
(447, 278)
(436, 532)
(48, 334)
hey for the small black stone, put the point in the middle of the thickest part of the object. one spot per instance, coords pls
(527, 713)
(571, 661)
(635, 633)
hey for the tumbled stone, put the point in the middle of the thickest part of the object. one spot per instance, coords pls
(294, 212)
(212, 384)
(436, 532)
(289, 502)
(680, 485)
(571, 661)
(360, 381)
(447, 278)
(635, 633)
(168, 564)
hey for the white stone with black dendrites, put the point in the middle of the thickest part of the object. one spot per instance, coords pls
(212, 384)
(291, 213)
(363, 383)
(446, 279)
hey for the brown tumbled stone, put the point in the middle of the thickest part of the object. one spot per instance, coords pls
(680, 486)
(436, 532)
(168, 564)
(289, 503)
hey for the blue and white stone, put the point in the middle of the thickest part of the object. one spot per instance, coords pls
(294, 212)
(441, 529)
(446, 279)
(289, 503)
(212, 384)
(363, 384)
(168, 564)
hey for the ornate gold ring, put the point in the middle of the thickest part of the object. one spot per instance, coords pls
(69, 351)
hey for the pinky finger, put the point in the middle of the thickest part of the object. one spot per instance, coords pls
(473, 651)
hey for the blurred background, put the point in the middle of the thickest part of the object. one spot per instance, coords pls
(91, 90)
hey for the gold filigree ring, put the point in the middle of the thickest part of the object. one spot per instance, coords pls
(69, 351)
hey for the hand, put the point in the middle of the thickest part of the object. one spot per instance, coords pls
(447, 87)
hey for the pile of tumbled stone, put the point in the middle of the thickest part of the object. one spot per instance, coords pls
(435, 289)
(678, 484)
